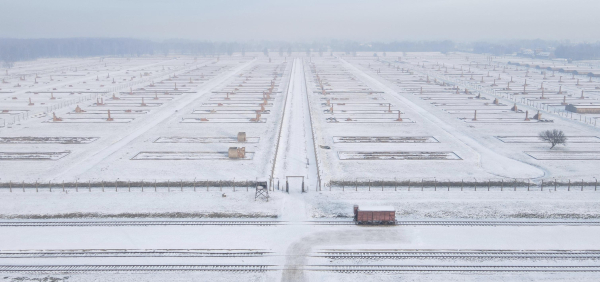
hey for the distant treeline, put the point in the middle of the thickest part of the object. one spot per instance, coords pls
(14, 50)
(578, 52)
(560, 49)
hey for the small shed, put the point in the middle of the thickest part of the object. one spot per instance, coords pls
(375, 214)
(241, 137)
(583, 109)
(237, 152)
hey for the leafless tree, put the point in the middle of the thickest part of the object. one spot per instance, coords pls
(554, 137)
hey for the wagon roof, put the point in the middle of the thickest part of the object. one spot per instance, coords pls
(376, 208)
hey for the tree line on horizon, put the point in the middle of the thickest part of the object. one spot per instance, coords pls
(15, 50)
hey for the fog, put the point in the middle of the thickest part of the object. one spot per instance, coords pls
(306, 20)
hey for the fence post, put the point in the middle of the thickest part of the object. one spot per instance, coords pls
(581, 184)
(220, 185)
(369, 185)
(117, 185)
(462, 184)
(206, 185)
(102, 185)
(248, 186)
(422, 184)
(542, 185)
(355, 184)
(489, 185)
(36, 186)
(435, 184)
(23, 184)
(569, 189)
(181, 185)
(382, 185)
(63, 185)
(596, 185)
(409, 185)
(554, 184)
(515, 184)
(142, 185)
(89, 186)
(168, 185)
(194, 184)
(527, 184)
(129, 186)
(76, 185)
(10, 185)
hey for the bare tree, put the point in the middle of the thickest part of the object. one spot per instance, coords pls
(554, 137)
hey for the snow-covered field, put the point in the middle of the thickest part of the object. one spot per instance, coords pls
(313, 125)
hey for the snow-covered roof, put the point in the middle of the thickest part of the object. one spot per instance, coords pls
(376, 208)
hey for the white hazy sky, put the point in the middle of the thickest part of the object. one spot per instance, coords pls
(306, 20)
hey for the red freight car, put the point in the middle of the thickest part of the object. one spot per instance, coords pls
(375, 215)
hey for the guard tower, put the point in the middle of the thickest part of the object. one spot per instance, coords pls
(262, 190)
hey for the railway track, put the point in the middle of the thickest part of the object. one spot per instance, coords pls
(451, 268)
(138, 223)
(470, 223)
(130, 253)
(460, 254)
(129, 268)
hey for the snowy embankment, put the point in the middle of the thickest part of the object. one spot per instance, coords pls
(174, 204)
(417, 205)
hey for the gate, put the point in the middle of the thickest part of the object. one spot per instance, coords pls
(287, 183)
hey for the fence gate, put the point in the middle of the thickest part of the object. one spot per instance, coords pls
(287, 183)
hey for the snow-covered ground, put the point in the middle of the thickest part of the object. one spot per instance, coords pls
(328, 119)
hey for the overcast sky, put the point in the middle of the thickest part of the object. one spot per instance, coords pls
(306, 20)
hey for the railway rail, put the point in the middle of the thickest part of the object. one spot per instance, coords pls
(144, 268)
(276, 223)
(470, 223)
(461, 254)
(452, 268)
(139, 223)
(130, 253)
